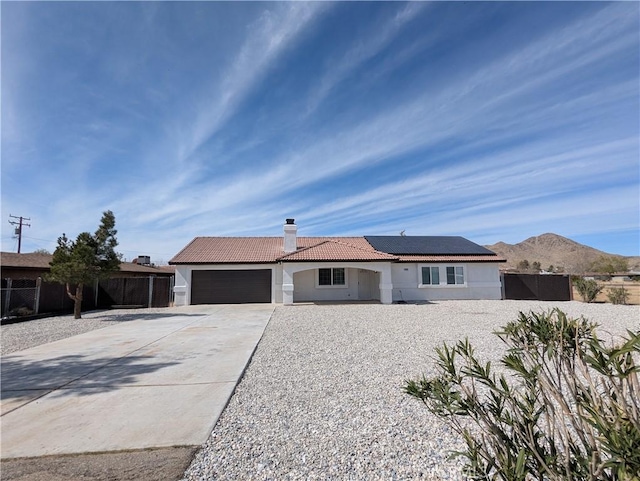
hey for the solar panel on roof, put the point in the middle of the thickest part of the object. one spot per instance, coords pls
(426, 245)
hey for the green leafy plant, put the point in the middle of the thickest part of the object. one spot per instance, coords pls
(610, 264)
(523, 265)
(88, 258)
(587, 288)
(618, 295)
(567, 406)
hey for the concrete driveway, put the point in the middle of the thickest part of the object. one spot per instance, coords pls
(140, 384)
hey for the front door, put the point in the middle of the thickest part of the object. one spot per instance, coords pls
(365, 285)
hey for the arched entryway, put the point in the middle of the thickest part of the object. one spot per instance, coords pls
(336, 282)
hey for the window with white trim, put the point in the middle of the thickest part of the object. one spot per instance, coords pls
(455, 275)
(441, 275)
(332, 276)
(431, 275)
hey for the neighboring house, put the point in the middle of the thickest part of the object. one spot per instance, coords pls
(220, 270)
(615, 277)
(34, 265)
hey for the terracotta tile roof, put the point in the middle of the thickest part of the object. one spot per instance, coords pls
(451, 258)
(230, 250)
(360, 242)
(252, 250)
(249, 250)
(337, 251)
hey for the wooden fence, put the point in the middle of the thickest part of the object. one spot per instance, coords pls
(21, 297)
(540, 287)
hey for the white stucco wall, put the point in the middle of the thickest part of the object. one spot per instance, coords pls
(182, 288)
(277, 286)
(482, 281)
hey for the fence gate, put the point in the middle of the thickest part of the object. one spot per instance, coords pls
(20, 296)
(537, 287)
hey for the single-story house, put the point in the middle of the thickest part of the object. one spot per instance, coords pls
(288, 269)
(33, 265)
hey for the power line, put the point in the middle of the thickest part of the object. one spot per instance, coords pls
(20, 223)
(36, 238)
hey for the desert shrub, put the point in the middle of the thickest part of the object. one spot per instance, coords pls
(618, 295)
(610, 264)
(587, 288)
(566, 408)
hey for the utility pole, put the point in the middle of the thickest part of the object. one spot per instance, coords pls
(20, 223)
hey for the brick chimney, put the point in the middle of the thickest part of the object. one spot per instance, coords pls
(290, 236)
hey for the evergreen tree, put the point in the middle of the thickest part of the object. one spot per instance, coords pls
(89, 257)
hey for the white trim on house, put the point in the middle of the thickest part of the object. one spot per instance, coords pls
(316, 274)
(442, 276)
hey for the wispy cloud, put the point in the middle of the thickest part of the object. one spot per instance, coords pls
(507, 144)
(378, 38)
(493, 181)
(268, 37)
(425, 122)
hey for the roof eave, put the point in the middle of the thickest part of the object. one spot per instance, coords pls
(451, 259)
(337, 260)
(207, 263)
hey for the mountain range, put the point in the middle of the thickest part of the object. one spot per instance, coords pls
(554, 250)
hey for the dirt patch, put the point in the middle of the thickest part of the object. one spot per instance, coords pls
(163, 464)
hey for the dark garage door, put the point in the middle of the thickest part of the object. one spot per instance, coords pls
(231, 287)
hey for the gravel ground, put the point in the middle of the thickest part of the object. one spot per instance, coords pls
(23, 335)
(322, 397)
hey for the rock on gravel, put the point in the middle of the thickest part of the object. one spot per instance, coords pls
(322, 397)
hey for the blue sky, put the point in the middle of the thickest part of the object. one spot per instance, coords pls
(494, 121)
